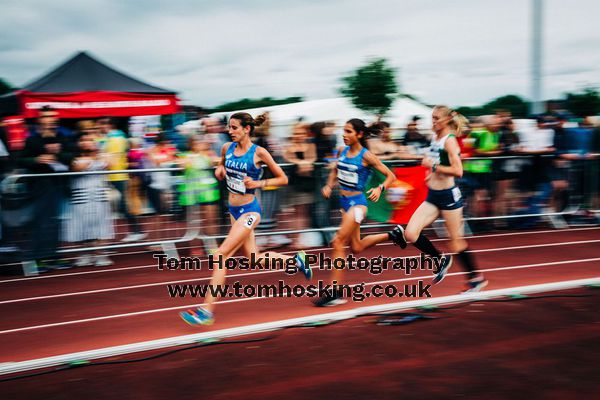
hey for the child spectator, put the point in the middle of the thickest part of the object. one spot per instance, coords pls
(88, 215)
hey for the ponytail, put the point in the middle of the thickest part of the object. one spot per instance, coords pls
(247, 120)
(260, 119)
(377, 128)
(460, 123)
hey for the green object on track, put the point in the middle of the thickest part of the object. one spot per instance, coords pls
(78, 363)
(427, 308)
(316, 323)
(517, 296)
(209, 341)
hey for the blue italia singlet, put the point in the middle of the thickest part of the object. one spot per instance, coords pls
(352, 174)
(237, 168)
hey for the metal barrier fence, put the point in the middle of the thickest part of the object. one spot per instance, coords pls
(531, 188)
(53, 214)
(150, 205)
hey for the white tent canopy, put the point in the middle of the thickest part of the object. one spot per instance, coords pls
(337, 110)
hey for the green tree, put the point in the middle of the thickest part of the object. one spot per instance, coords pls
(5, 87)
(585, 103)
(518, 107)
(372, 87)
(470, 111)
(245, 104)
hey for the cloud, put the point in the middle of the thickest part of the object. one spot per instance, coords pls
(465, 51)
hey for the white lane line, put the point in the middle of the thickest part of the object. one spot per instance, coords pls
(190, 247)
(122, 269)
(25, 279)
(14, 367)
(146, 285)
(136, 313)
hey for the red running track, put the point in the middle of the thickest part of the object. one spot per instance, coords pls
(542, 348)
(90, 308)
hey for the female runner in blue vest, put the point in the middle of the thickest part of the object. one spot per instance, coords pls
(354, 165)
(444, 197)
(240, 166)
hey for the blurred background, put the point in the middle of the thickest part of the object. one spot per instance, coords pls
(76, 98)
(112, 117)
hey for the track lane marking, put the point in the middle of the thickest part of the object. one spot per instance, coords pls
(123, 269)
(141, 286)
(136, 313)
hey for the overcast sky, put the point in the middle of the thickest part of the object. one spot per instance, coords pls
(459, 52)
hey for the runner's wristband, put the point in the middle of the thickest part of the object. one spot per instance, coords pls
(382, 188)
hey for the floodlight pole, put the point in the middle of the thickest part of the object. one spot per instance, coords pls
(536, 59)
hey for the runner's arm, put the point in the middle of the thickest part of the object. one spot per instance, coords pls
(280, 178)
(376, 163)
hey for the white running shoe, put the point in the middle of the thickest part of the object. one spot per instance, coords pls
(475, 285)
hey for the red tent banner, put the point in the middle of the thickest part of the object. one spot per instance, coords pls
(16, 132)
(99, 104)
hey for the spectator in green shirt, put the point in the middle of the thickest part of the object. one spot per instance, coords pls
(484, 139)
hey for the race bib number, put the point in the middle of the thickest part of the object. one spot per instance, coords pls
(359, 215)
(249, 221)
(456, 195)
(236, 185)
(348, 177)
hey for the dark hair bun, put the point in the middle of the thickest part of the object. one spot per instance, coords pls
(376, 128)
(260, 119)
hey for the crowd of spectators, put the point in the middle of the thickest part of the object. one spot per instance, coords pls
(511, 167)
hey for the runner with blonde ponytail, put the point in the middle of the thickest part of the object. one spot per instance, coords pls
(443, 161)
